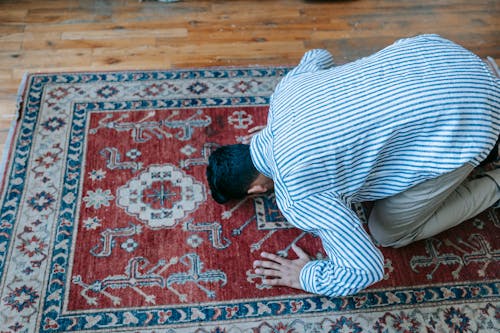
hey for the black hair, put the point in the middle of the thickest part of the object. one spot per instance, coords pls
(230, 172)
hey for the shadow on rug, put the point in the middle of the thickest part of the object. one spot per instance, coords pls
(107, 223)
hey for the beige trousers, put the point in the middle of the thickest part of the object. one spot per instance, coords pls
(432, 207)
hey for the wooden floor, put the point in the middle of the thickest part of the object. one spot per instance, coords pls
(68, 35)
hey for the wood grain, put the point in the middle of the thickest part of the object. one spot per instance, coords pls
(77, 35)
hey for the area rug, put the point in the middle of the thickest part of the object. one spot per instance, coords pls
(107, 224)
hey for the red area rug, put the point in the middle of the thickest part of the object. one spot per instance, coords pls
(107, 223)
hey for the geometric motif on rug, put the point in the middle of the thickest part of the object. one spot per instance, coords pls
(108, 225)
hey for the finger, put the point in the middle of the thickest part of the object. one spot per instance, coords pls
(301, 253)
(273, 282)
(255, 129)
(270, 264)
(268, 272)
(280, 282)
(274, 257)
(265, 264)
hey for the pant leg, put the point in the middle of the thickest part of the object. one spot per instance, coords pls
(432, 207)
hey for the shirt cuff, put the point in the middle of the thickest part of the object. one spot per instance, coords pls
(317, 59)
(308, 276)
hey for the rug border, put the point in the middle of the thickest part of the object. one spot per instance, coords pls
(193, 323)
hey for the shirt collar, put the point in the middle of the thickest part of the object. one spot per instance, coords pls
(261, 151)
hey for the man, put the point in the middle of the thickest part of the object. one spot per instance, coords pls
(403, 128)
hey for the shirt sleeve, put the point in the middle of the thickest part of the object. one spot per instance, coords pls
(314, 60)
(353, 263)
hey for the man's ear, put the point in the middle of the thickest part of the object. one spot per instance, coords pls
(257, 189)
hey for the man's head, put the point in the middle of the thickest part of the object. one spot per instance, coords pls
(232, 175)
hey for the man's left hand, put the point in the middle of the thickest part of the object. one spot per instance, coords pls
(279, 271)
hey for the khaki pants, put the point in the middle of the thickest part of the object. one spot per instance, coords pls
(432, 207)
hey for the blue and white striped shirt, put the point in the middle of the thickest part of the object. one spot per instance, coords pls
(367, 130)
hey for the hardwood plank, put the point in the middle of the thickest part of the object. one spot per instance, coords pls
(124, 33)
(55, 43)
(44, 58)
(11, 46)
(13, 16)
(36, 36)
(11, 37)
(7, 114)
(80, 35)
(7, 29)
(5, 74)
